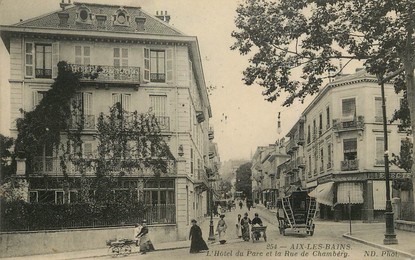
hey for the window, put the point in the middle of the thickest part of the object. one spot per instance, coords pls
(29, 59)
(158, 105)
(123, 99)
(82, 55)
(33, 197)
(82, 115)
(350, 149)
(83, 14)
(329, 156)
(320, 127)
(314, 129)
(73, 197)
(157, 66)
(378, 109)
(37, 97)
(349, 109)
(308, 134)
(328, 117)
(160, 197)
(43, 67)
(43, 162)
(59, 197)
(191, 162)
(379, 160)
(321, 160)
(120, 57)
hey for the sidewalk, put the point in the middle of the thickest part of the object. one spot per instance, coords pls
(101, 252)
(373, 234)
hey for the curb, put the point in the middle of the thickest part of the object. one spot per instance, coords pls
(346, 235)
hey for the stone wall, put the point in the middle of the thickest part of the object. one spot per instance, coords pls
(14, 244)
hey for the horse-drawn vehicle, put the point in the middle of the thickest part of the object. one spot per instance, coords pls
(120, 247)
(299, 212)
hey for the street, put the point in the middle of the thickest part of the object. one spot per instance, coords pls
(327, 243)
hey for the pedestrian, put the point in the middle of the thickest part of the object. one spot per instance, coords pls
(145, 242)
(245, 222)
(280, 217)
(197, 243)
(240, 204)
(137, 229)
(221, 229)
(238, 227)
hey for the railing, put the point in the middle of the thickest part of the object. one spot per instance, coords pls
(161, 214)
(157, 77)
(163, 122)
(86, 122)
(291, 146)
(43, 73)
(354, 124)
(211, 134)
(349, 165)
(107, 73)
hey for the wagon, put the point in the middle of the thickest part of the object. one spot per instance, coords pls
(257, 232)
(299, 212)
(121, 247)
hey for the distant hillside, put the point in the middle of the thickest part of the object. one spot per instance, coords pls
(228, 168)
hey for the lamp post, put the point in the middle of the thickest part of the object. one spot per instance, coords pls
(390, 236)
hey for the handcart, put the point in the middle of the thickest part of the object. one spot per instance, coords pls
(299, 212)
(121, 247)
(257, 232)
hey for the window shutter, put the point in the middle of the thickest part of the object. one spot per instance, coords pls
(87, 104)
(87, 55)
(158, 103)
(117, 55)
(146, 65)
(55, 59)
(126, 102)
(116, 97)
(29, 50)
(78, 54)
(169, 65)
(124, 57)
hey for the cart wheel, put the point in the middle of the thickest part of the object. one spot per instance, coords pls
(115, 250)
(125, 250)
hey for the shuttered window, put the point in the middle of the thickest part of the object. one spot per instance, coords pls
(82, 55)
(123, 99)
(120, 57)
(350, 149)
(29, 53)
(157, 66)
(379, 151)
(146, 64)
(378, 109)
(158, 104)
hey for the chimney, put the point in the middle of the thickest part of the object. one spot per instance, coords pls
(63, 19)
(63, 5)
(140, 23)
(163, 16)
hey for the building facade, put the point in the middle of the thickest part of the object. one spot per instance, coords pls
(141, 63)
(344, 146)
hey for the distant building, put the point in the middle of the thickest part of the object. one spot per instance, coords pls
(144, 64)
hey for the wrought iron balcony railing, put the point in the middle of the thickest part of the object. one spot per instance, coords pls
(349, 165)
(350, 125)
(108, 73)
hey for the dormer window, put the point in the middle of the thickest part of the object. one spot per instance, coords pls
(84, 15)
(121, 17)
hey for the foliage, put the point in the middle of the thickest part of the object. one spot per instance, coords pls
(243, 179)
(225, 187)
(404, 159)
(44, 124)
(304, 37)
(20, 215)
(6, 166)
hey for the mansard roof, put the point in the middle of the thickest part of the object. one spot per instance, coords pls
(153, 25)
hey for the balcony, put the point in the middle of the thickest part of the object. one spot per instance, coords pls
(291, 146)
(108, 74)
(163, 122)
(349, 165)
(86, 122)
(211, 133)
(349, 125)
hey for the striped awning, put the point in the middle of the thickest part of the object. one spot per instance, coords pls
(323, 193)
(350, 192)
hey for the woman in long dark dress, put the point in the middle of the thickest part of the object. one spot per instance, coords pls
(197, 243)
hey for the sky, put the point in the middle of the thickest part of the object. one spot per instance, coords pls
(242, 119)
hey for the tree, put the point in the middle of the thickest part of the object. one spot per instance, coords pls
(243, 179)
(6, 167)
(305, 36)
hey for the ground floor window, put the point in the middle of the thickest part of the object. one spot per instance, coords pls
(159, 198)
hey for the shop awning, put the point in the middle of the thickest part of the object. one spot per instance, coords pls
(323, 193)
(354, 190)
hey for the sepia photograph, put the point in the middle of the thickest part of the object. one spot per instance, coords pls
(207, 129)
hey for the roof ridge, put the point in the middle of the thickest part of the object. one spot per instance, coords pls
(38, 17)
(109, 5)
